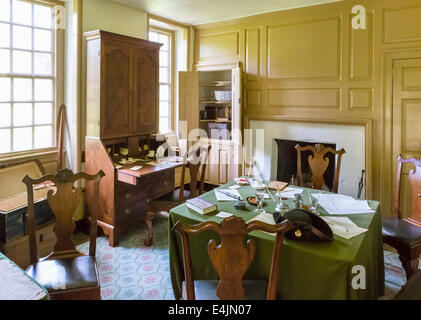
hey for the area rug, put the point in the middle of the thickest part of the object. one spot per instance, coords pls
(132, 271)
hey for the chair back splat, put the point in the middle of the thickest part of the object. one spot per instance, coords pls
(319, 163)
(231, 257)
(63, 202)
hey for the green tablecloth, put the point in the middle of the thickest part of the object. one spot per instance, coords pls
(309, 270)
(22, 282)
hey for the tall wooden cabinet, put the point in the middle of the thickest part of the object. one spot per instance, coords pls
(122, 94)
(212, 100)
(122, 85)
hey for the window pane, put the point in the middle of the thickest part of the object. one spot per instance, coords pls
(42, 63)
(164, 108)
(164, 39)
(42, 16)
(163, 74)
(153, 36)
(22, 62)
(4, 89)
(4, 61)
(22, 139)
(22, 37)
(22, 12)
(4, 34)
(163, 124)
(5, 114)
(43, 113)
(43, 137)
(43, 90)
(22, 89)
(164, 92)
(5, 140)
(163, 59)
(22, 114)
(5, 10)
(42, 40)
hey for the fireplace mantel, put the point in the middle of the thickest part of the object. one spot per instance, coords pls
(366, 123)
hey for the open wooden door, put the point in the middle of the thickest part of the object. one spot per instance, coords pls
(188, 111)
(237, 140)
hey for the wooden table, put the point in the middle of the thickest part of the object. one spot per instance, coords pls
(309, 270)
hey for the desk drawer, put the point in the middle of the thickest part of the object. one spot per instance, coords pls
(159, 188)
(160, 175)
(131, 211)
(130, 195)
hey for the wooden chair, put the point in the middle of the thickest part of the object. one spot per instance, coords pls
(195, 161)
(405, 234)
(231, 259)
(412, 289)
(65, 273)
(319, 163)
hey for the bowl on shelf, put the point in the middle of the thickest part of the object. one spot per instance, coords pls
(222, 95)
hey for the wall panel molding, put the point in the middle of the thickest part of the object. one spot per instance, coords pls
(298, 51)
(323, 98)
(402, 24)
(361, 99)
(253, 49)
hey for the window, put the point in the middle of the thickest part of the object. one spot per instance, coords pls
(165, 75)
(27, 76)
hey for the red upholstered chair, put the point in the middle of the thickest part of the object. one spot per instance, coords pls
(66, 273)
(405, 234)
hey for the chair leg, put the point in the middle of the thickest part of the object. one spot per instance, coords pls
(410, 265)
(150, 215)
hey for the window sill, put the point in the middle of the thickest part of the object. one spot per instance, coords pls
(28, 155)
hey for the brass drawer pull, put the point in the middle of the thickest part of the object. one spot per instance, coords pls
(127, 211)
(128, 196)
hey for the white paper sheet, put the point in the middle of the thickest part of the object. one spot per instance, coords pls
(224, 214)
(342, 204)
(343, 227)
(265, 218)
(15, 285)
(234, 187)
(290, 192)
(222, 197)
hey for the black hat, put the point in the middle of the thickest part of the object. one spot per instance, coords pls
(307, 226)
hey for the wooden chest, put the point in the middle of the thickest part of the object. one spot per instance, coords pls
(13, 200)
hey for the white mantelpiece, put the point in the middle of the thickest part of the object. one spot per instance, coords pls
(349, 137)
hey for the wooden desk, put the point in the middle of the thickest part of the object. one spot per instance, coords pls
(124, 193)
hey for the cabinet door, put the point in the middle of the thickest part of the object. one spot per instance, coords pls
(188, 106)
(237, 141)
(145, 91)
(116, 84)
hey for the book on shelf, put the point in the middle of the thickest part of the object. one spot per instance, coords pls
(200, 205)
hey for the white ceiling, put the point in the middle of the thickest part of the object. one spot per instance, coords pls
(205, 11)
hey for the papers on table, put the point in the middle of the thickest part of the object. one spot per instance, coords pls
(135, 168)
(223, 196)
(265, 218)
(234, 187)
(16, 285)
(224, 214)
(291, 192)
(343, 227)
(342, 204)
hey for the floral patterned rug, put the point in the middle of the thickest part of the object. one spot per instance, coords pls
(132, 271)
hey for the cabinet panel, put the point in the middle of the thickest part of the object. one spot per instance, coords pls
(145, 91)
(116, 87)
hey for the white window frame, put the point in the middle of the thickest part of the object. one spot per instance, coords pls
(57, 52)
(170, 83)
